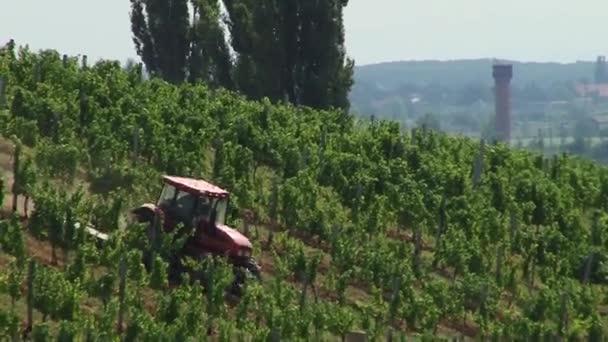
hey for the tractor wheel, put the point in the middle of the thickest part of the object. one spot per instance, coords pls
(250, 271)
(199, 275)
(176, 268)
(146, 261)
(240, 277)
(252, 266)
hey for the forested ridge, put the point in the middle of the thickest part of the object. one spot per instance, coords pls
(360, 225)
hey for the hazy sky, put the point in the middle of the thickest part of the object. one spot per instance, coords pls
(376, 30)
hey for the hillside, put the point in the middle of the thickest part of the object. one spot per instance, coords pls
(361, 226)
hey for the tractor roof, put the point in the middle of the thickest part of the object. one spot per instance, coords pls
(197, 186)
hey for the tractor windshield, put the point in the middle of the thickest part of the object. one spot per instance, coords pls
(205, 204)
(184, 206)
(167, 195)
(179, 204)
(222, 204)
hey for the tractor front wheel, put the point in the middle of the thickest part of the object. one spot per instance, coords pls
(252, 266)
(242, 274)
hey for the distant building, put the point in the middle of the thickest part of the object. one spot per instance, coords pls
(592, 90)
(601, 71)
(600, 122)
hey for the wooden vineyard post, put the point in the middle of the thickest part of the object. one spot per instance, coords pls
(30, 294)
(154, 239)
(16, 174)
(273, 212)
(596, 242)
(304, 158)
(563, 316)
(136, 132)
(209, 270)
(84, 62)
(122, 285)
(218, 162)
(245, 226)
(513, 228)
(310, 274)
(499, 261)
(395, 301)
(588, 264)
(322, 147)
(483, 307)
(359, 193)
(441, 228)
(478, 170)
(355, 336)
(303, 294)
(274, 335)
(247, 216)
(3, 86)
(89, 335)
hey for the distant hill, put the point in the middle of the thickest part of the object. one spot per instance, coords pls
(459, 72)
(405, 90)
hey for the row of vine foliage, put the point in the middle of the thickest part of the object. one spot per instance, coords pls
(441, 228)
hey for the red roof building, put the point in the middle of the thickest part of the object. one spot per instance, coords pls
(588, 90)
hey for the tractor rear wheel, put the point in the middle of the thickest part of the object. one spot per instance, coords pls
(252, 266)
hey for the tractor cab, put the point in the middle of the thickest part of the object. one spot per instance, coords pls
(193, 203)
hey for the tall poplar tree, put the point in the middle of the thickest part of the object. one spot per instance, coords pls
(161, 30)
(325, 75)
(291, 50)
(210, 59)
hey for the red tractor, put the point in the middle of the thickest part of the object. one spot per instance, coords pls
(201, 208)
